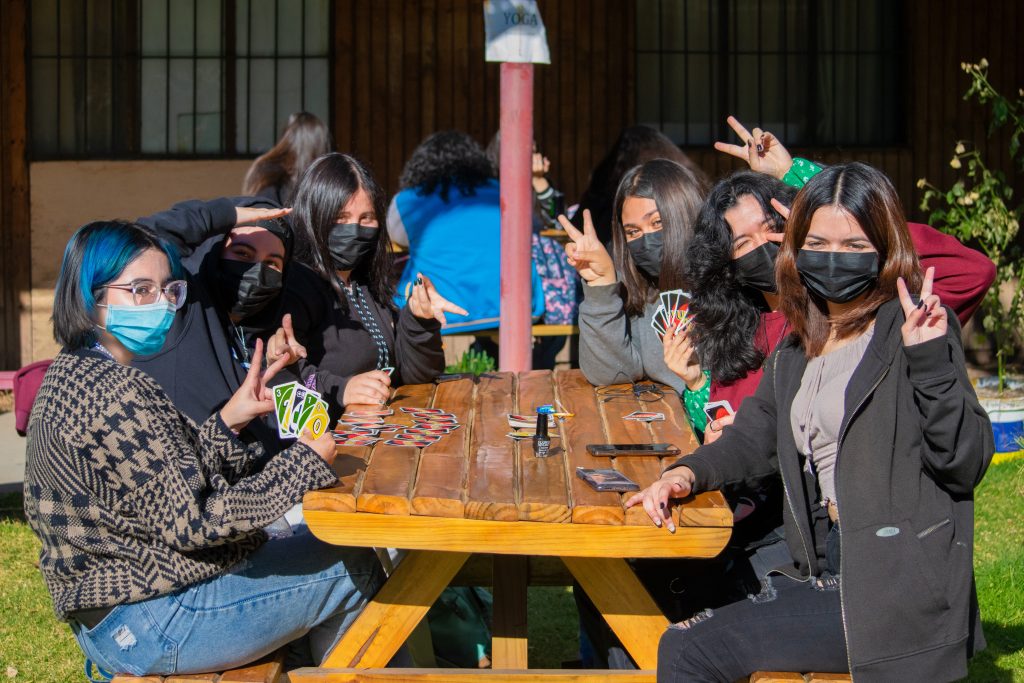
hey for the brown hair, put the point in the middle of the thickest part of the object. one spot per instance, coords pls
(869, 197)
(304, 139)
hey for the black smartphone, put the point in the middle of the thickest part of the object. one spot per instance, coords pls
(617, 449)
(450, 378)
(607, 480)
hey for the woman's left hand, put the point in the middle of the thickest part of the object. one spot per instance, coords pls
(425, 303)
(926, 320)
(253, 399)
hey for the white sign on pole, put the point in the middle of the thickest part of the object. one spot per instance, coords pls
(515, 32)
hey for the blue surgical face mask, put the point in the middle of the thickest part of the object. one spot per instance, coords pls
(140, 329)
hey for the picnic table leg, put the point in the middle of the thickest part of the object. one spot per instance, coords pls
(377, 633)
(508, 640)
(624, 603)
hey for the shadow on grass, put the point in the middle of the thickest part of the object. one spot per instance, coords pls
(1002, 639)
(11, 507)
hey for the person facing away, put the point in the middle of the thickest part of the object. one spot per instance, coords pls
(635, 146)
(275, 174)
(866, 412)
(448, 211)
(151, 523)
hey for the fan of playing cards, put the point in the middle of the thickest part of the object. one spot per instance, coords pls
(298, 407)
(672, 311)
(367, 427)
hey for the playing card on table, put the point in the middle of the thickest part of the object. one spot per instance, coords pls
(415, 437)
(640, 416)
(383, 412)
(408, 444)
(530, 421)
(427, 431)
(411, 409)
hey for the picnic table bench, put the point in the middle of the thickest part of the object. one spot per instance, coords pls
(478, 491)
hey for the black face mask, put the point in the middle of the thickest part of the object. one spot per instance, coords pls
(349, 243)
(757, 268)
(837, 276)
(646, 252)
(246, 288)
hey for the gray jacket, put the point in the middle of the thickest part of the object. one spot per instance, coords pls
(616, 348)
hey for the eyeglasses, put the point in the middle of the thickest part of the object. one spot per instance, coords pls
(148, 292)
(637, 391)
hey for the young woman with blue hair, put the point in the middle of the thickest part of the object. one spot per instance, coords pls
(151, 526)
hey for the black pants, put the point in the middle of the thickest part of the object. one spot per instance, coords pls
(788, 626)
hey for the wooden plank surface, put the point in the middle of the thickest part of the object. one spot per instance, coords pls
(642, 469)
(508, 635)
(387, 620)
(625, 604)
(517, 538)
(392, 469)
(577, 396)
(440, 480)
(492, 477)
(467, 675)
(545, 493)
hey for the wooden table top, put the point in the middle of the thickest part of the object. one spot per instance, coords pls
(478, 475)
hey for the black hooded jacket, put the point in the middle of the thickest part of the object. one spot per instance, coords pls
(913, 445)
(198, 366)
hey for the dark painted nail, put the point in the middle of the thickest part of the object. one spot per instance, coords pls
(760, 148)
(920, 304)
(662, 506)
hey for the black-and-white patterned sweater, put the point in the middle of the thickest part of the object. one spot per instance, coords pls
(131, 499)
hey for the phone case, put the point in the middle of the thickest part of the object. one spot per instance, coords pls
(606, 480)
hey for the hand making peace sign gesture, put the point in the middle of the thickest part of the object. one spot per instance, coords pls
(761, 150)
(926, 320)
(586, 253)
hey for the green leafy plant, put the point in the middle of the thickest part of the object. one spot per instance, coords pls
(476, 362)
(979, 208)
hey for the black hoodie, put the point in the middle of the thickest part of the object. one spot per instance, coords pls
(913, 445)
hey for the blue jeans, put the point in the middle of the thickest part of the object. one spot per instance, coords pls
(296, 590)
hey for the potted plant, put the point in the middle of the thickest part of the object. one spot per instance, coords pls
(979, 209)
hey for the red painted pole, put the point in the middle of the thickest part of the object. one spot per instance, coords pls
(516, 163)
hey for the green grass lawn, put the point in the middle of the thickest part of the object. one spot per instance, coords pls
(42, 650)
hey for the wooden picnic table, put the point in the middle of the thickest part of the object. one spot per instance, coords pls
(479, 491)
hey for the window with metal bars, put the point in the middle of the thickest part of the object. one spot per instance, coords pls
(173, 78)
(819, 73)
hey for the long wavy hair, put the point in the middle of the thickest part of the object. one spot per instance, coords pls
(447, 159)
(869, 197)
(677, 194)
(304, 139)
(325, 189)
(635, 146)
(726, 314)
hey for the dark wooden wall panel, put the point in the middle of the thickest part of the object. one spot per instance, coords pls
(406, 69)
(15, 229)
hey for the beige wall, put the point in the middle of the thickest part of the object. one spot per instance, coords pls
(68, 194)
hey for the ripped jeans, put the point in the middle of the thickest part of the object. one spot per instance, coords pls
(296, 590)
(788, 626)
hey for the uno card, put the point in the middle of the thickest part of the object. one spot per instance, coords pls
(656, 323)
(282, 400)
(639, 416)
(361, 423)
(308, 403)
(294, 409)
(383, 412)
(427, 431)
(369, 431)
(522, 434)
(427, 411)
(406, 443)
(388, 370)
(716, 410)
(388, 427)
(414, 437)
(318, 419)
(410, 409)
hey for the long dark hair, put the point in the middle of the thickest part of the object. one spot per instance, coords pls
(635, 145)
(304, 139)
(326, 187)
(447, 159)
(869, 197)
(726, 313)
(677, 194)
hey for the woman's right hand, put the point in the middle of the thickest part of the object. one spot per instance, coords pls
(369, 388)
(762, 151)
(657, 498)
(324, 446)
(586, 253)
(246, 215)
(715, 427)
(678, 353)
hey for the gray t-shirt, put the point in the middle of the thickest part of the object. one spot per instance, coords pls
(819, 406)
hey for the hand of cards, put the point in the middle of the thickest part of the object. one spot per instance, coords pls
(673, 311)
(297, 408)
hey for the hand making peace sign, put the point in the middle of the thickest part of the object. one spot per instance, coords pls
(425, 303)
(761, 150)
(586, 253)
(253, 399)
(926, 320)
